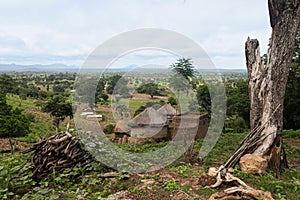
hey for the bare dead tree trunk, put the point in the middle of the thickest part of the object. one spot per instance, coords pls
(267, 85)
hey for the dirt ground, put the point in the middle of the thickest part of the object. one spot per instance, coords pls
(295, 162)
(293, 142)
(38, 114)
(147, 97)
(152, 187)
(5, 147)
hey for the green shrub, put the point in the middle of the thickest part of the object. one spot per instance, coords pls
(238, 124)
(291, 134)
(109, 129)
(171, 185)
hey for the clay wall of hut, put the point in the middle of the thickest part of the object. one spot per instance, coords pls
(153, 132)
(190, 123)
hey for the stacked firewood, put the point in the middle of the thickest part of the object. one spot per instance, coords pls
(57, 153)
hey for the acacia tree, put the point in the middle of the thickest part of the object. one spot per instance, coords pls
(184, 67)
(267, 85)
(184, 73)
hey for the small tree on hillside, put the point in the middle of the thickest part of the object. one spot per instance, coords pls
(59, 108)
(150, 88)
(12, 122)
(184, 67)
(184, 73)
(117, 85)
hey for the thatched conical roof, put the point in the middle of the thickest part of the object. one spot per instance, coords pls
(122, 127)
(167, 109)
(148, 117)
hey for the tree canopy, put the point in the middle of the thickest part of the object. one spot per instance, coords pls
(59, 108)
(184, 67)
(291, 112)
(12, 122)
(150, 88)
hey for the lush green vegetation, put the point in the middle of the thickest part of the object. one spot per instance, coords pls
(28, 98)
(16, 180)
(12, 122)
(59, 108)
(150, 88)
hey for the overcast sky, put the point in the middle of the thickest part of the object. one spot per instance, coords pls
(67, 31)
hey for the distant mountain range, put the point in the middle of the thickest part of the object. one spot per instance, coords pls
(36, 68)
(62, 67)
(52, 67)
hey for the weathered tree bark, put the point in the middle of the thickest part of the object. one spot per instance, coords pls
(267, 83)
(267, 86)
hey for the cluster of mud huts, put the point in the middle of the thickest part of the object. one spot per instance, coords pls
(160, 125)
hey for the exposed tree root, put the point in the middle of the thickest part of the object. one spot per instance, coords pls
(240, 191)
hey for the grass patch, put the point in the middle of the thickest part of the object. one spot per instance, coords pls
(225, 145)
(291, 134)
(14, 101)
(285, 187)
(139, 148)
(39, 129)
(16, 181)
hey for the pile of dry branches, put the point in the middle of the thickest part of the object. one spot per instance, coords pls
(57, 153)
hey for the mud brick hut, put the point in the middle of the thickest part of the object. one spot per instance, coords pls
(189, 123)
(149, 124)
(168, 111)
(122, 132)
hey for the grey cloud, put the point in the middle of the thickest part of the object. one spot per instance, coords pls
(70, 28)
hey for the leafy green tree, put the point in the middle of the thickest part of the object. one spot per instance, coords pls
(184, 67)
(43, 94)
(101, 98)
(50, 78)
(291, 111)
(5, 109)
(58, 88)
(150, 88)
(172, 101)
(32, 91)
(117, 85)
(184, 74)
(109, 129)
(6, 83)
(22, 96)
(59, 108)
(238, 101)
(12, 122)
(203, 98)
